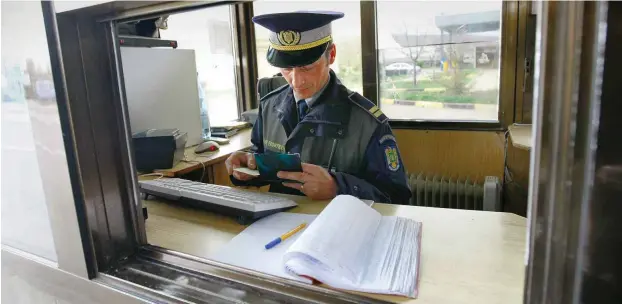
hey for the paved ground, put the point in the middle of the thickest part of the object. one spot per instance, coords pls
(480, 113)
(487, 80)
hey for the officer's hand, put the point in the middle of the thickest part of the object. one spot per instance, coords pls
(317, 183)
(240, 159)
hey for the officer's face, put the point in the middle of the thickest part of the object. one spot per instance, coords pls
(307, 80)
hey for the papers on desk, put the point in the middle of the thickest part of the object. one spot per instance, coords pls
(232, 125)
(348, 246)
(228, 129)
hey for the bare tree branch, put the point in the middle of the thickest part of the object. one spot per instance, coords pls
(407, 50)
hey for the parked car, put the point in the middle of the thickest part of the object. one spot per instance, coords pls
(468, 58)
(401, 68)
(483, 59)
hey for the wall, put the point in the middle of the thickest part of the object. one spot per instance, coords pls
(475, 154)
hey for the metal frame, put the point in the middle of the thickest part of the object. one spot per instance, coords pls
(102, 141)
(243, 37)
(195, 279)
(136, 41)
(508, 54)
(64, 285)
(524, 8)
(508, 74)
(369, 50)
(68, 220)
(527, 86)
(568, 78)
(124, 11)
(99, 146)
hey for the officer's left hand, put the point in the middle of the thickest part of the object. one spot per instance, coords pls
(317, 183)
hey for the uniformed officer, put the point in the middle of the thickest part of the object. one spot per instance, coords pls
(344, 140)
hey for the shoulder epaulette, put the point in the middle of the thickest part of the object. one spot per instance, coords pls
(368, 106)
(274, 92)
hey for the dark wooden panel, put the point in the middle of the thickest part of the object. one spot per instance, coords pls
(475, 154)
(516, 187)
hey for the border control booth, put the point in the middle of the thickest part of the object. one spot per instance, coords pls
(108, 249)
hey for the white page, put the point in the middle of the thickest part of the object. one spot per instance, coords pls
(247, 248)
(339, 239)
(380, 252)
(400, 266)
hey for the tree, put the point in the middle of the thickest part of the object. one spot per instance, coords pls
(412, 49)
(458, 84)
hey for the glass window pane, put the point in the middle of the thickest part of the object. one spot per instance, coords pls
(439, 60)
(346, 36)
(208, 33)
(31, 136)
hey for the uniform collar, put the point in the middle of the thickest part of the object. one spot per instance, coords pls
(330, 105)
(311, 100)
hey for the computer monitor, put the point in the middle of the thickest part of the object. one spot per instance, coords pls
(161, 90)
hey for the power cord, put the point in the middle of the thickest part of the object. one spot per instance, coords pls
(196, 161)
(159, 175)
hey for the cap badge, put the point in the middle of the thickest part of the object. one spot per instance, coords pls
(289, 37)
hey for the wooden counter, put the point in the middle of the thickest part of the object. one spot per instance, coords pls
(466, 257)
(521, 135)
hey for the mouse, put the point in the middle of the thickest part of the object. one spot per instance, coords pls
(207, 146)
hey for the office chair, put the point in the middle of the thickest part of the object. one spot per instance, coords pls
(268, 84)
(264, 86)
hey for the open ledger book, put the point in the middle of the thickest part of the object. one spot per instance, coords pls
(347, 246)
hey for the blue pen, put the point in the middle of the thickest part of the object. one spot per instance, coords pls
(285, 236)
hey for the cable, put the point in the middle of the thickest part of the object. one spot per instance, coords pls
(196, 161)
(505, 154)
(159, 175)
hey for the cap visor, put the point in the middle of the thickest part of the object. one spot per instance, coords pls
(290, 59)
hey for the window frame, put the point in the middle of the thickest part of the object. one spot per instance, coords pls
(74, 98)
(508, 67)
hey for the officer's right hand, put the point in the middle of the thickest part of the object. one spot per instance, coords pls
(240, 159)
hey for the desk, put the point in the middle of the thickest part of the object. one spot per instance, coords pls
(466, 257)
(238, 142)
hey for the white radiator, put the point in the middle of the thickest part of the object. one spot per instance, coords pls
(444, 192)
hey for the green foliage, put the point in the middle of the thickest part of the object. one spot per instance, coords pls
(483, 97)
(408, 84)
(455, 82)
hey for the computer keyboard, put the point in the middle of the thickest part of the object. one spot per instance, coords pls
(246, 205)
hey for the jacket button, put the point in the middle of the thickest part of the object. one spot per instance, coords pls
(312, 131)
(340, 132)
(356, 188)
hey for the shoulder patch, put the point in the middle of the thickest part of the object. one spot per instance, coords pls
(392, 158)
(387, 137)
(274, 92)
(368, 106)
